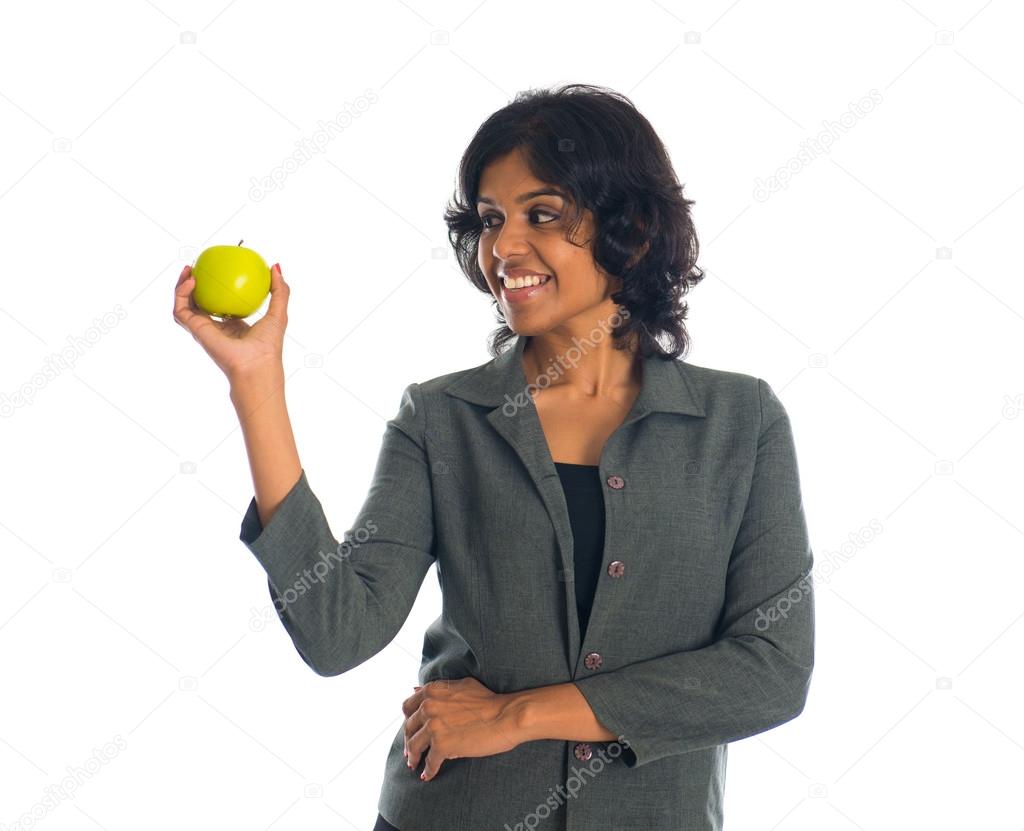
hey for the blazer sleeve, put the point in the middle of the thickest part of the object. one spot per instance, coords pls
(757, 672)
(343, 602)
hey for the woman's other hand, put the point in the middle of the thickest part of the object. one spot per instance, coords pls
(450, 719)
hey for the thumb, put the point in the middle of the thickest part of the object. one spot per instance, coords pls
(279, 291)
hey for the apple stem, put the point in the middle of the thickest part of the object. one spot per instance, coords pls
(241, 241)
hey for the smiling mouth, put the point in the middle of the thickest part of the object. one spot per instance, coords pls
(513, 284)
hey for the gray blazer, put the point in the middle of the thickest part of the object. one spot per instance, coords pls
(702, 629)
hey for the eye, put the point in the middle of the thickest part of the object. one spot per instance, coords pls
(534, 211)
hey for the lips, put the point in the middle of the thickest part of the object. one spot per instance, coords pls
(527, 293)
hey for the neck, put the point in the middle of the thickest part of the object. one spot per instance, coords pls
(587, 367)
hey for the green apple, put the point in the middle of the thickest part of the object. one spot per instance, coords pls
(231, 281)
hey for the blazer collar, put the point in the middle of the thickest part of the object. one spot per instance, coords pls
(501, 385)
(666, 385)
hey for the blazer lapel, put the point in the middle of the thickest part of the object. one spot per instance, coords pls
(501, 383)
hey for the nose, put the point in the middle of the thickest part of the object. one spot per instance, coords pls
(510, 242)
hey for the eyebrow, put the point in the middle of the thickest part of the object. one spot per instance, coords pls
(523, 197)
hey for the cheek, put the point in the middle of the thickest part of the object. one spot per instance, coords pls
(570, 258)
(485, 264)
(577, 276)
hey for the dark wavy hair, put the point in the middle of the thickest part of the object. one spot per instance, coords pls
(593, 143)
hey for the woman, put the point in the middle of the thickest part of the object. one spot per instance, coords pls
(619, 536)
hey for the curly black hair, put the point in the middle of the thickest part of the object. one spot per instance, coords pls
(593, 143)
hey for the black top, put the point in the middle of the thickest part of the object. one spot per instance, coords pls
(585, 500)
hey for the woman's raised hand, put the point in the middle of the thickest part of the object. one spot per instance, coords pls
(237, 347)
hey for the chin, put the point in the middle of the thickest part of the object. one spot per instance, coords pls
(525, 329)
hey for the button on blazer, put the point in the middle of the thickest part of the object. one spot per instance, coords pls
(702, 627)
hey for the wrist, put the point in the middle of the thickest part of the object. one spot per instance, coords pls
(256, 383)
(521, 715)
(557, 711)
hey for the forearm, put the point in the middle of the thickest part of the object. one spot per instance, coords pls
(259, 401)
(558, 711)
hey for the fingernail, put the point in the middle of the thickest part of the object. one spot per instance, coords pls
(278, 267)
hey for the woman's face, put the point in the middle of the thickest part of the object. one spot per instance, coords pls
(530, 235)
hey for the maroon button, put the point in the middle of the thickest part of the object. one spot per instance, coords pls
(582, 751)
(593, 660)
(616, 482)
(616, 568)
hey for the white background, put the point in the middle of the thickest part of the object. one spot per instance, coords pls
(879, 292)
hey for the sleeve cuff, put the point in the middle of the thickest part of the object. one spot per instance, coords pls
(274, 545)
(251, 525)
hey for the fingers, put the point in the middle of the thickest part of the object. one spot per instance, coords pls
(182, 291)
(423, 750)
(432, 765)
(419, 747)
(411, 704)
(279, 291)
(413, 723)
(185, 310)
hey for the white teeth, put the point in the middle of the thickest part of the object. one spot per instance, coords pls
(522, 282)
